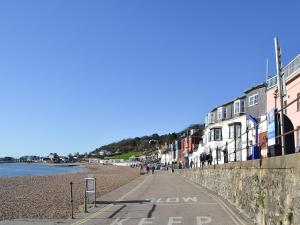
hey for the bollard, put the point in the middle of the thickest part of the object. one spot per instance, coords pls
(85, 197)
(71, 198)
(95, 197)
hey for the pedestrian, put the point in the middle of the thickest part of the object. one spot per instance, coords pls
(191, 164)
(141, 169)
(153, 168)
(147, 168)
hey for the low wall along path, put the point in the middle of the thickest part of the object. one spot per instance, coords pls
(267, 191)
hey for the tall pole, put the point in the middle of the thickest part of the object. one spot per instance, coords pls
(280, 91)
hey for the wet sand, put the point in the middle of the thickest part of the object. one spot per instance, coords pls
(48, 197)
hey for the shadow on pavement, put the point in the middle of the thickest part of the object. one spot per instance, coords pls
(123, 202)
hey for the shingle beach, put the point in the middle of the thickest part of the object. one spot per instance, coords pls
(48, 197)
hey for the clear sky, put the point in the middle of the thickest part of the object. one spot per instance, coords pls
(75, 75)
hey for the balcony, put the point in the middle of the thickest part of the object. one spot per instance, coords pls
(288, 70)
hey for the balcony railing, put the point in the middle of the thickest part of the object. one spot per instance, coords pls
(288, 70)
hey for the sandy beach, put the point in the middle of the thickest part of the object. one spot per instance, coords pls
(48, 197)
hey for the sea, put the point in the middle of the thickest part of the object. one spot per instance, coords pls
(32, 169)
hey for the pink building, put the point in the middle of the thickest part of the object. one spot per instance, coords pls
(292, 81)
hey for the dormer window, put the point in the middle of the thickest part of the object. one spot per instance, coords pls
(212, 117)
(220, 113)
(239, 106)
(224, 112)
(253, 100)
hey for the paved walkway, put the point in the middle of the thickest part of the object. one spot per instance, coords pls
(160, 199)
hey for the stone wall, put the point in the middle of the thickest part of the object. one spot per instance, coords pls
(267, 191)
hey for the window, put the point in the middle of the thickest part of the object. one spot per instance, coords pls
(239, 106)
(231, 131)
(212, 135)
(237, 128)
(220, 113)
(236, 107)
(253, 100)
(224, 113)
(211, 117)
(218, 134)
(242, 106)
(298, 102)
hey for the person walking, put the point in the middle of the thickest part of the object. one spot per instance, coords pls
(153, 168)
(191, 164)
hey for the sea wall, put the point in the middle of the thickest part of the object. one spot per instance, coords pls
(267, 190)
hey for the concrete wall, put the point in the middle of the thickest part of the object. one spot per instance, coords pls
(267, 191)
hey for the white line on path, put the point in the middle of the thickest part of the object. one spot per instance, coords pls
(110, 205)
(228, 211)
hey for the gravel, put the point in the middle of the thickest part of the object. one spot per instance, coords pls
(48, 197)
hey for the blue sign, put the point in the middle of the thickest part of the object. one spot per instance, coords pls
(272, 121)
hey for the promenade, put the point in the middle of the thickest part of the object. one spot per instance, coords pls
(160, 199)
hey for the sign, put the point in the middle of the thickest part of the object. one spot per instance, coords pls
(272, 121)
(90, 184)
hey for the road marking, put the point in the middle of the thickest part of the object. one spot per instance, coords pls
(188, 203)
(172, 200)
(203, 220)
(193, 199)
(119, 221)
(145, 221)
(110, 205)
(175, 220)
(200, 220)
(228, 211)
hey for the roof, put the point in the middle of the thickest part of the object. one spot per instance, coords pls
(255, 87)
(227, 103)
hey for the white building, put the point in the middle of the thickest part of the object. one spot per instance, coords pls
(225, 127)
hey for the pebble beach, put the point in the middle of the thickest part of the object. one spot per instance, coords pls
(48, 197)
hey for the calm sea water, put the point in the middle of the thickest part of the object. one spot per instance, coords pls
(29, 169)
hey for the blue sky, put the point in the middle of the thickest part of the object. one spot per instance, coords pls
(75, 75)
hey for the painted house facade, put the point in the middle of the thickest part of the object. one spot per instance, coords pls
(292, 82)
(225, 125)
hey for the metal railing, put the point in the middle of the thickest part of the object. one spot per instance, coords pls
(232, 156)
(288, 70)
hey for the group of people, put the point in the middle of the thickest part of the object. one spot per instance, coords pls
(203, 158)
(148, 168)
(152, 167)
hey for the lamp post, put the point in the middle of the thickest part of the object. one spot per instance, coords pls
(280, 91)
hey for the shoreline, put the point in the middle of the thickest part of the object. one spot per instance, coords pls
(80, 168)
(48, 197)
